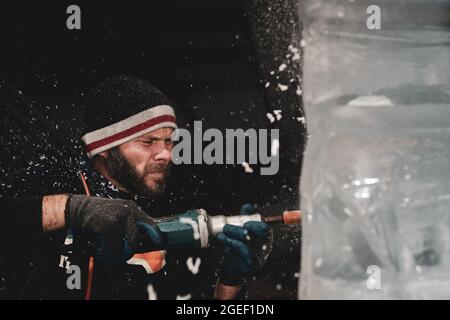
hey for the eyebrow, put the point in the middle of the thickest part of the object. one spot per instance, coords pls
(156, 138)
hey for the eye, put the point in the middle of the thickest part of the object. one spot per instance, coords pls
(149, 142)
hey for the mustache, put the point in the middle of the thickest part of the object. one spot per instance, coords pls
(157, 168)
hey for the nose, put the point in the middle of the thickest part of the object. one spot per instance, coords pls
(164, 155)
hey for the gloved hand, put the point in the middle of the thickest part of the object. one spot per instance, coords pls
(122, 228)
(246, 249)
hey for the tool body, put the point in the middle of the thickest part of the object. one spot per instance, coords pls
(195, 228)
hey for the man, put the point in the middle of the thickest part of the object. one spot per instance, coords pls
(128, 143)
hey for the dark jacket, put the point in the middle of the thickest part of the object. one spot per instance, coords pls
(34, 265)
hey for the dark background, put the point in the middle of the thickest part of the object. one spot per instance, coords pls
(212, 58)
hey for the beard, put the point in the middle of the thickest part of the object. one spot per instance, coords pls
(122, 170)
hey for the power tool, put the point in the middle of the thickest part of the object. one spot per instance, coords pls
(195, 228)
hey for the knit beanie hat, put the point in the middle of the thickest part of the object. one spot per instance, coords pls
(122, 108)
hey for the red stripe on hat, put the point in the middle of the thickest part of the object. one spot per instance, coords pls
(130, 131)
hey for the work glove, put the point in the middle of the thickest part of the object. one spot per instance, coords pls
(246, 249)
(122, 229)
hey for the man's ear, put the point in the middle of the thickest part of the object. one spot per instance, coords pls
(103, 154)
(98, 161)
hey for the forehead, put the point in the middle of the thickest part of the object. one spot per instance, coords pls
(161, 133)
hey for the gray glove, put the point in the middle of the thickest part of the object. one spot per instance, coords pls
(122, 227)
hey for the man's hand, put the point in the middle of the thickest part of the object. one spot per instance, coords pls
(122, 228)
(246, 251)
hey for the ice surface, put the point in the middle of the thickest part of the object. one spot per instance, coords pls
(375, 190)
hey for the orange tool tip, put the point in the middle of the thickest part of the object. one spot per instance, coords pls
(292, 217)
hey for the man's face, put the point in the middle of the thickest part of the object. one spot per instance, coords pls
(142, 165)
